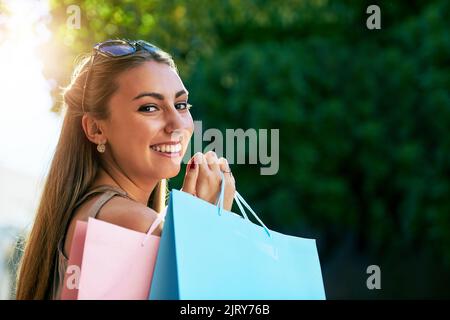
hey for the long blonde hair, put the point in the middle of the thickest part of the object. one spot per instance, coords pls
(74, 167)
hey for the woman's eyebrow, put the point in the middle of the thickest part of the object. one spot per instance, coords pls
(158, 95)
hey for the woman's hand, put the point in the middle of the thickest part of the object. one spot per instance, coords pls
(203, 178)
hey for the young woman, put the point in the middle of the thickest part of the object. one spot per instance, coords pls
(126, 128)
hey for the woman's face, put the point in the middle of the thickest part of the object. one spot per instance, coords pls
(148, 113)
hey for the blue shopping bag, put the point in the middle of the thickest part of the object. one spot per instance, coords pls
(210, 253)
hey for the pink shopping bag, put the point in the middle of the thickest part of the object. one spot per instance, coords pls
(116, 262)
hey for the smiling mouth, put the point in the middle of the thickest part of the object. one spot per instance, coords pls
(167, 148)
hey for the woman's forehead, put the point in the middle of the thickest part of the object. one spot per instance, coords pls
(150, 76)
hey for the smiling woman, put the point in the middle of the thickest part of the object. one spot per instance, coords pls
(126, 128)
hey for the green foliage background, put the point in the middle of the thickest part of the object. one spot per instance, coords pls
(364, 118)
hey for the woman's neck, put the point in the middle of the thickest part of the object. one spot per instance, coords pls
(139, 193)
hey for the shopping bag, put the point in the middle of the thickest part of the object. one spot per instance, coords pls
(116, 262)
(207, 252)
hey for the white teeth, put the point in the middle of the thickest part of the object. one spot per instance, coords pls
(172, 148)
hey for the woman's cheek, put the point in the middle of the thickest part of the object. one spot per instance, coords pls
(190, 124)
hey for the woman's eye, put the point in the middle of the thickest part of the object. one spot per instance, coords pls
(148, 108)
(183, 106)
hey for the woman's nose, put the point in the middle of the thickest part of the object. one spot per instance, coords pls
(175, 121)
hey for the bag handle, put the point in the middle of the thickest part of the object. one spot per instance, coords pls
(240, 206)
(238, 198)
(160, 218)
(240, 201)
(221, 194)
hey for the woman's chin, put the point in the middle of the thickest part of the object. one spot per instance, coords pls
(167, 166)
(172, 174)
(167, 172)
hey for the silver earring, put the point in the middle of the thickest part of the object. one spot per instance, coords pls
(101, 147)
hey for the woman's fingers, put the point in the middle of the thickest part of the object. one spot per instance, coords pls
(190, 179)
(230, 186)
(203, 186)
(215, 178)
(203, 178)
(213, 162)
(208, 182)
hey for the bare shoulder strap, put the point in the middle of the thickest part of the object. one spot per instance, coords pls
(98, 189)
(98, 204)
(107, 191)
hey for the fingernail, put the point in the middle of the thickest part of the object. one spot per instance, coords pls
(191, 165)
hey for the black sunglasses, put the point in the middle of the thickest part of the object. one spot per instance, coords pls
(114, 49)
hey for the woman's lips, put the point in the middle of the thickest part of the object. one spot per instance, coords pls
(170, 150)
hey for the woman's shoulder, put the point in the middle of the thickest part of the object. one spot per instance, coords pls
(127, 213)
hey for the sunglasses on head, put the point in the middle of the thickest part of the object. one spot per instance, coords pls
(114, 49)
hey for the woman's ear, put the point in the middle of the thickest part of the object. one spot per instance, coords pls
(93, 129)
